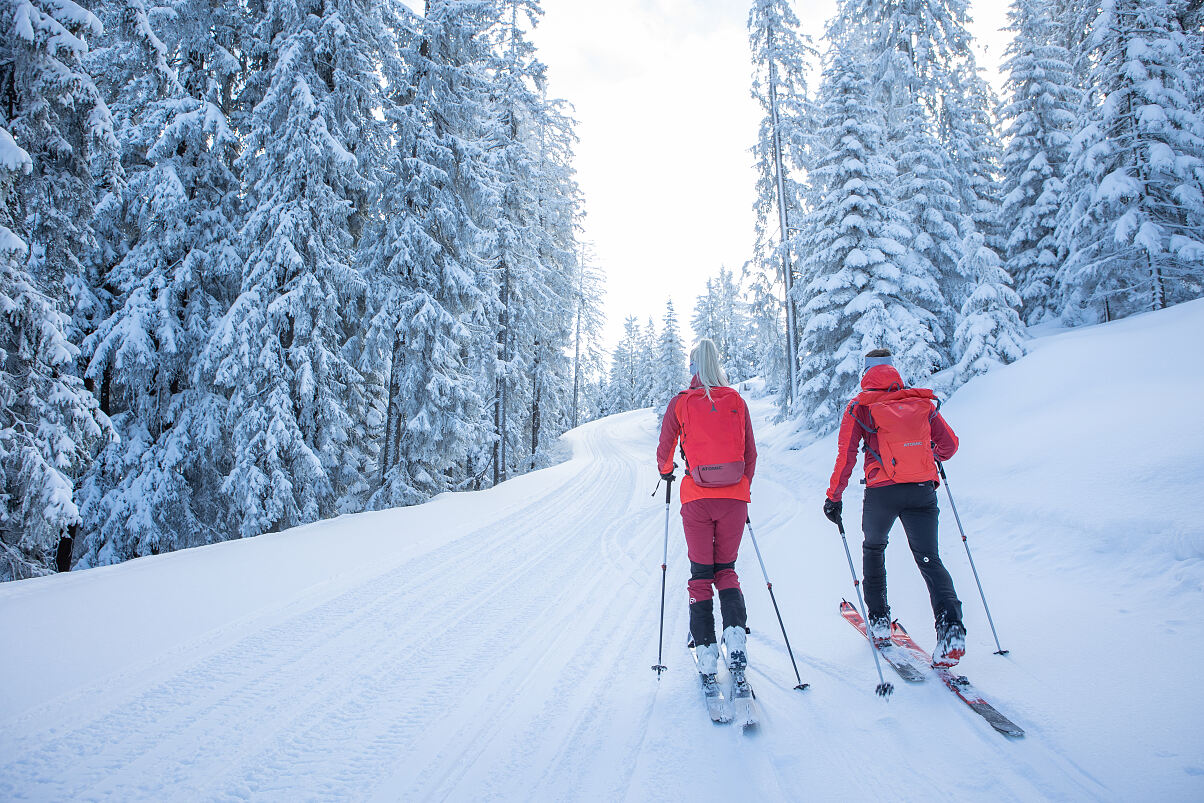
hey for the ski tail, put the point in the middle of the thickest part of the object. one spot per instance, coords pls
(958, 684)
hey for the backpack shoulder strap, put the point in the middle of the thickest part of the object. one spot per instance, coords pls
(869, 428)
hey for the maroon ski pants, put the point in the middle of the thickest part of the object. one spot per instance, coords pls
(713, 530)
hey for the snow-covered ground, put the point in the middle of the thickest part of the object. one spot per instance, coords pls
(498, 645)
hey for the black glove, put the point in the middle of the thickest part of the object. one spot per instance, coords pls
(832, 510)
(668, 477)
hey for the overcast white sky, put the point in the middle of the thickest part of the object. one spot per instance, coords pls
(661, 91)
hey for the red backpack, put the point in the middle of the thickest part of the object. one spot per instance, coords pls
(902, 421)
(712, 435)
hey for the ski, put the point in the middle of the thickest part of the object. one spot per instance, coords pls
(892, 653)
(717, 706)
(743, 698)
(958, 684)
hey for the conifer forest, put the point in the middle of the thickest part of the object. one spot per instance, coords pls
(269, 262)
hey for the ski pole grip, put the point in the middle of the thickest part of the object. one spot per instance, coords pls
(668, 490)
(940, 467)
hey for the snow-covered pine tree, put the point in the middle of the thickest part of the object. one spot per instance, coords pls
(131, 65)
(588, 320)
(558, 208)
(989, 333)
(780, 55)
(862, 279)
(55, 136)
(1039, 115)
(284, 351)
(1191, 18)
(720, 315)
(669, 373)
(766, 326)
(733, 316)
(513, 69)
(968, 125)
(530, 152)
(172, 230)
(913, 48)
(645, 358)
(938, 113)
(423, 259)
(705, 321)
(927, 198)
(1071, 28)
(1133, 221)
(624, 387)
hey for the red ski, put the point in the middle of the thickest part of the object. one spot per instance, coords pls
(958, 684)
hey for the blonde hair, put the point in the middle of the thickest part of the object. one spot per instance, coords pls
(705, 357)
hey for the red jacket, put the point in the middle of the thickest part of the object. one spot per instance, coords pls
(671, 432)
(876, 380)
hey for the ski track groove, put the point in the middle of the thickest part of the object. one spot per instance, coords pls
(563, 656)
(285, 671)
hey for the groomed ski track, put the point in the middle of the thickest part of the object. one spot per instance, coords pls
(497, 645)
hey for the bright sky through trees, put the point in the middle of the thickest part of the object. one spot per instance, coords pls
(661, 90)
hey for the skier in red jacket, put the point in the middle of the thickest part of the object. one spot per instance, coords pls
(902, 432)
(712, 423)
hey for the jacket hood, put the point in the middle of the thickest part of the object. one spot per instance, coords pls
(881, 377)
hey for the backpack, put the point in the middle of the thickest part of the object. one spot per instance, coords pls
(712, 436)
(902, 421)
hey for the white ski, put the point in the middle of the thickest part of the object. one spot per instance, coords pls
(743, 698)
(717, 706)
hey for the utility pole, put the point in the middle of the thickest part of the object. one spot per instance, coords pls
(787, 273)
(577, 338)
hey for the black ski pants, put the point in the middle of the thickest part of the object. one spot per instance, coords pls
(913, 503)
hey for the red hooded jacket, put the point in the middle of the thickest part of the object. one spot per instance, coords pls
(690, 490)
(876, 380)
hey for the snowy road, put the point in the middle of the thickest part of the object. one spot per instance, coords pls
(497, 645)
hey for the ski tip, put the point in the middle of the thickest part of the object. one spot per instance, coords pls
(884, 690)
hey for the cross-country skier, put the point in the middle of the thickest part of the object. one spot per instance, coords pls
(902, 431)
(712, 423)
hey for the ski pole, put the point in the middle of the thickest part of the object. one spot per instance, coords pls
(659, 667)
(884, 689)
(801, 686)
(999, 648)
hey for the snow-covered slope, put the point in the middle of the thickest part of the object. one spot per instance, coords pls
(498, 644)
